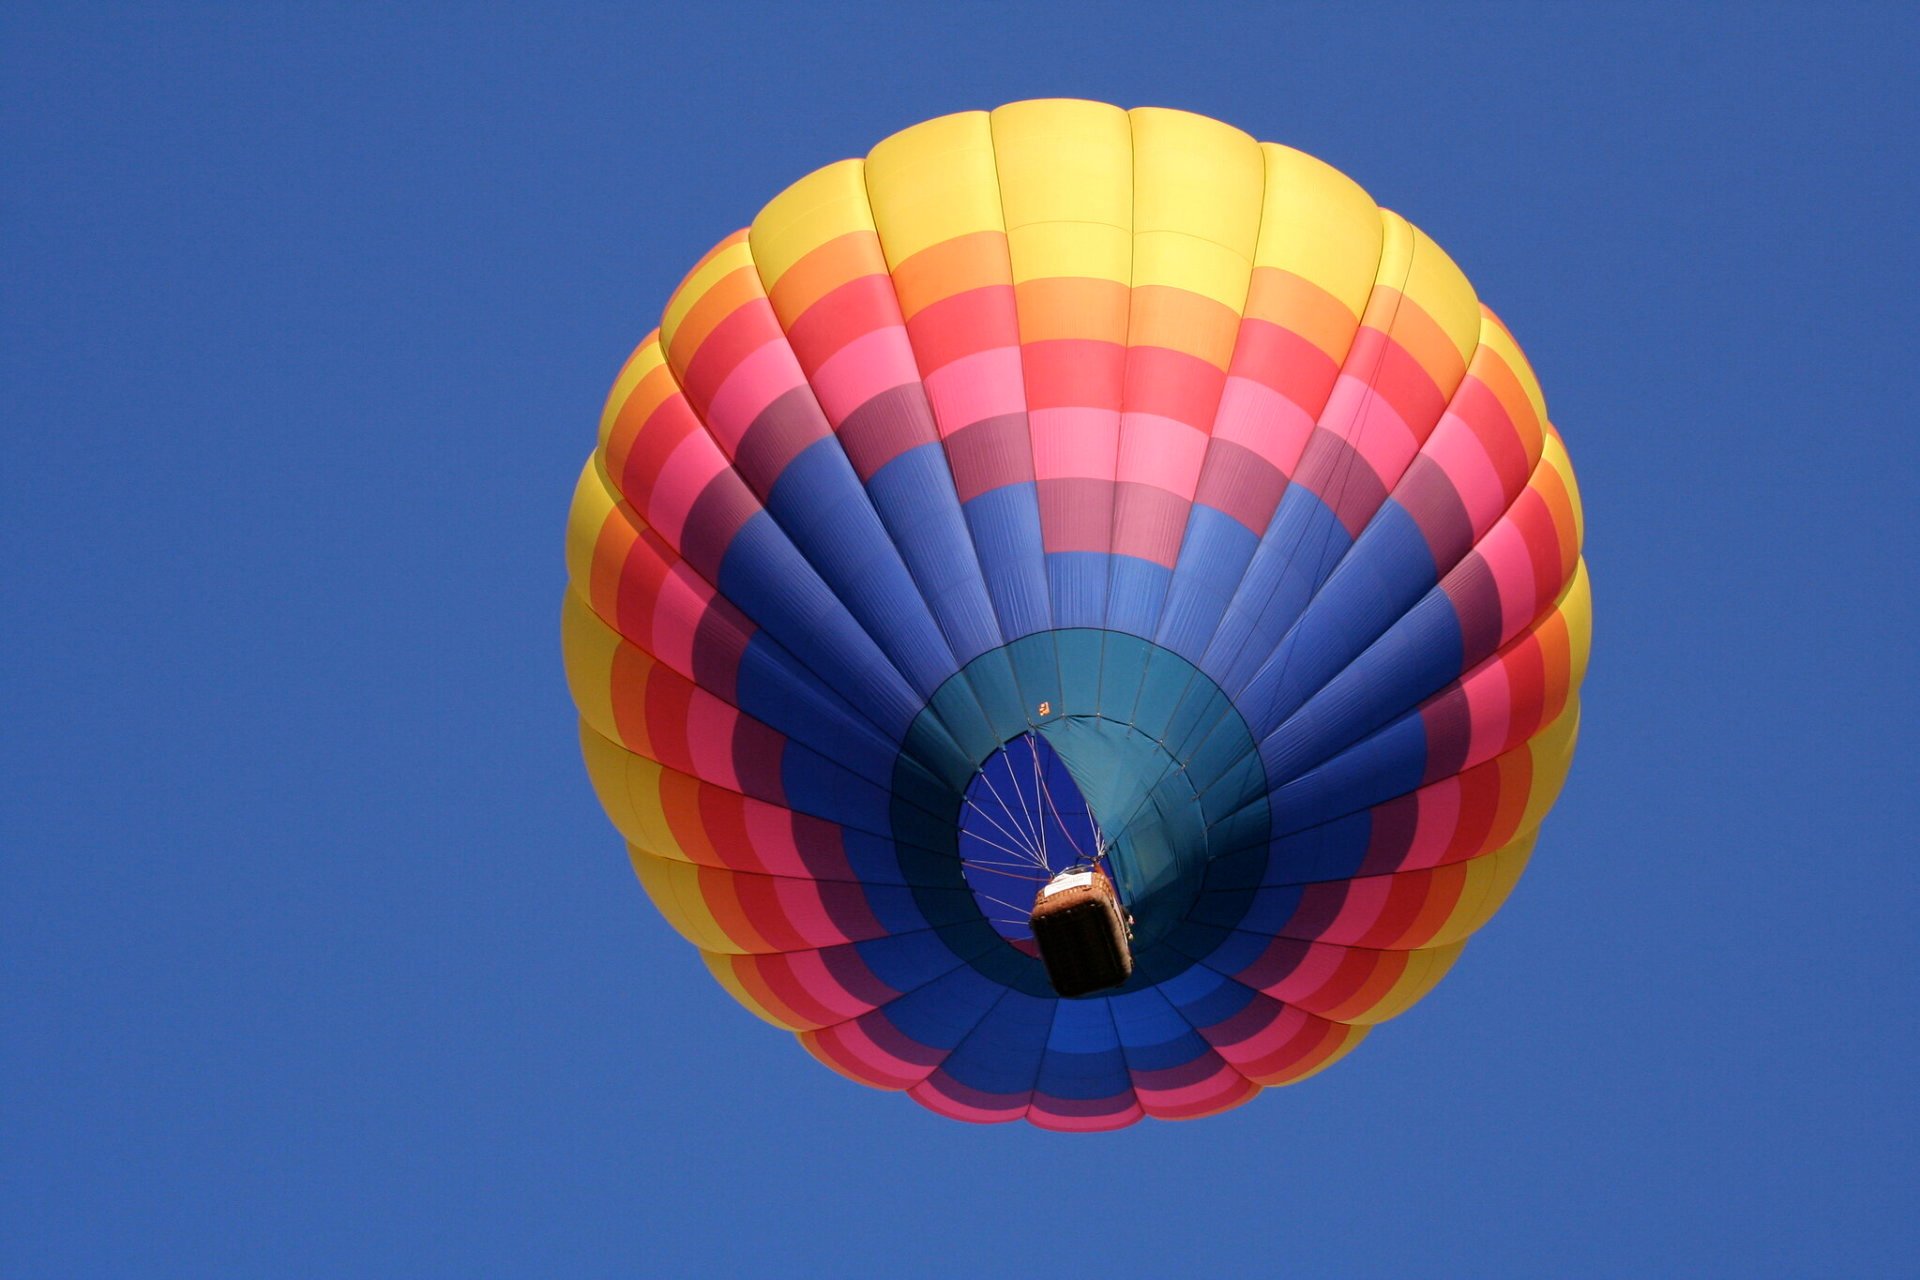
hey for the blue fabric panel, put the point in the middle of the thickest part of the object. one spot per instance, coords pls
(1386, 572)
(766, 579)
(819, 501)
(1213, 559)
(1417, 657)
(1389, 764)
(1136, 590)
(1266, 911)
(914, 496)
(1236, 951)
(1083, 1054)
(777, 691)
(1204, 997)
(1077, 585)
(940, 1014)
(1294, 558)
(1005, 524)
(1002, 1056)
(903, 910)
(1153, 1034)
(872, 859)
(1331, 851)
(816, 785)
(908, 961)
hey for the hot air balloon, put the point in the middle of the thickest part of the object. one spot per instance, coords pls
(1066, 499)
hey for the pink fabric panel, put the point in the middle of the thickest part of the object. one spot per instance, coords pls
(850, 1043)
(755, 383)
(1261, 420)
(1051, 1113)
(1216, 1087)
(692, 465)
(983, 385)
(938, 1097)
(676, 616)
(1463, 459)
(1438, 807)
(1511, 562)
(811, 974)
(1489, 694)
(1371, 426)
(710, 726)
(1163, 452)
(1077, 444)
(1366, 897)
(875, 362)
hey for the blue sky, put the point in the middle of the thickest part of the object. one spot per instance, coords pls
(319, 956)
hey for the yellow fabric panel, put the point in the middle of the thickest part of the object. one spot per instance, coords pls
(721, 967)
(587, 646)
(728, 257)
(1197, 188)
(1066, 188)
(1432, 280)
(1551, 751)
(1196, 176)
(1489, 880)
(825, 204)
(1576, 606)
(1080, 250)
(629, 789)
(1424, 970)
(607, 761)
(593, 502)
(629, 418)
(1318, 224)
(1197, 266)
(1554, 454)
(645, 359)
(675, 890)
(1494, 333)
(1354, 1035)
(1064, 160)
(933, 182)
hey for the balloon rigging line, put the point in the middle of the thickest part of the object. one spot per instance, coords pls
(1021, 851)
(1003, 869)
(1002, 901)
(1038, 783)
(1025, 817)
(989, 840)
(1047, 795)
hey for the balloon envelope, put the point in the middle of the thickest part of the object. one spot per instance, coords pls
(1065, 483)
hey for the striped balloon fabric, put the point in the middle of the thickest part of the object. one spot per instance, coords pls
(1063, 485)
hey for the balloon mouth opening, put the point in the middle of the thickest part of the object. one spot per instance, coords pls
(1024, 821)
(1101, 750)
(1081, 791)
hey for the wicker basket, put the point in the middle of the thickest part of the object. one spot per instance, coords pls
(1081, 932)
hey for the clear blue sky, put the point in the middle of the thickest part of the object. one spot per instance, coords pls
(319, 956)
